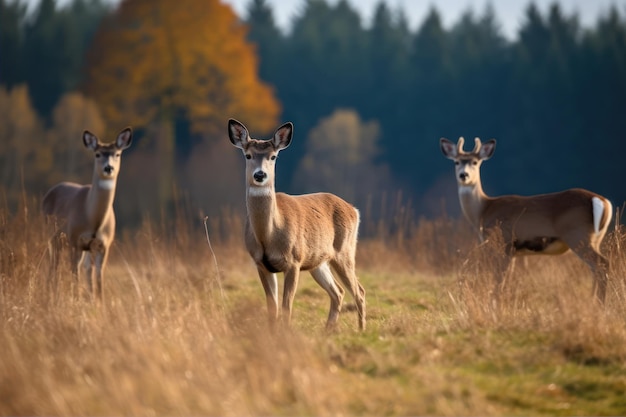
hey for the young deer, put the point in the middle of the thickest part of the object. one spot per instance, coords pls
(84, 213)
(549, 224)
(286, 233)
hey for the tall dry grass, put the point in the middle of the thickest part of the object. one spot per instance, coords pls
(178, 334)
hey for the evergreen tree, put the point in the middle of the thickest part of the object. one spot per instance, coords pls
(12, 15)
(269, 40)
(544, 80)
(324, 68)
(602, 100)
(43, 47)
(429, 95)
(480, 62)
(57, 39)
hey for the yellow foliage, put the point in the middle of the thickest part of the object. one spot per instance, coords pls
(33, 158)
(70, 117)
(23, 154)
(158, 59)
(341, 156)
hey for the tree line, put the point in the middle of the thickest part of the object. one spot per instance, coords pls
(369, 101)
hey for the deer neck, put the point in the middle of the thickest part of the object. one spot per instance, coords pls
(100, 199)
(263, 213)
(473, 201)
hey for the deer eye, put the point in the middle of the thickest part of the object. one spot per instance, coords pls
(248, 156)
(457, 163)
(98, 154)
(474, 162)
(273, 157)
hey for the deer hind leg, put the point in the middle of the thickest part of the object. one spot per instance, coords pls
(345, 268)
(55, 247)
(324, 277)
(270, 286)
(599, 266)
(86, 265)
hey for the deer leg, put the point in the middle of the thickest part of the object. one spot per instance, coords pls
(324, 277)
(86, 263)
(504, 271)
(599, 266)
(346, 271)
(291, 285)
(55, 246)
(270, 286)
(99, 255)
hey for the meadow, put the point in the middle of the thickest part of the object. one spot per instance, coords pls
(183, 329)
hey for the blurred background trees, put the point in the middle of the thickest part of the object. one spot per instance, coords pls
(177, 70)
(369, 100)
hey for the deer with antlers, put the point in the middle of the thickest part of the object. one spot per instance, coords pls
(84, 213)
(549, 224)
(288, 233)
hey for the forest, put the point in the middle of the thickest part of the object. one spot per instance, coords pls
(369, 100)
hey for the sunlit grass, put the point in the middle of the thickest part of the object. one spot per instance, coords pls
(176, 336)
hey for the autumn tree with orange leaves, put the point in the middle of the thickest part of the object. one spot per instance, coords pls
(155, 63)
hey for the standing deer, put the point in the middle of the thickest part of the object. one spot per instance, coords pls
(286, 233)
(549, 224)
(84, 213)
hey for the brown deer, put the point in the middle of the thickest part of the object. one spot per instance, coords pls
(549, 224)
(287, 233)
(84, 213)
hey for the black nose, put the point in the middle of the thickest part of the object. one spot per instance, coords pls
(463, 176)
(259, 176)
(108, 169)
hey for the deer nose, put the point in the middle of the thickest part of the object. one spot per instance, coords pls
(259, 176)
(463, 176)
(108, 169)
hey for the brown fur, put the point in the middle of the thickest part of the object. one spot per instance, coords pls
(548, 224)
(286, 233)
(84, 214)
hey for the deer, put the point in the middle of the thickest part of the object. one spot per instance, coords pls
(292, 233)
(544, 224)
(83, 214)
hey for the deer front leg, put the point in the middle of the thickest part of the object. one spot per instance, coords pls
(291, 285)
(270, 286)
(505, 266)
(99, 254)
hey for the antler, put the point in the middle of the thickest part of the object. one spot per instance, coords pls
(477, 145)
(459, 145)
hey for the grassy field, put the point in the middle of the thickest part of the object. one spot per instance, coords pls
(179, 335)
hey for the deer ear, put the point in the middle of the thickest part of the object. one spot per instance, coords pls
(283, 135)
(237, 133)
(448, 148)
(90, 140)
(487, 149)
(124, 139)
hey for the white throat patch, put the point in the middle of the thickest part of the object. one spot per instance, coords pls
(466, 189)
(106, 184)
(260, 191)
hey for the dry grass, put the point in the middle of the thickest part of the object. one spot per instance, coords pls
(175, 337)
